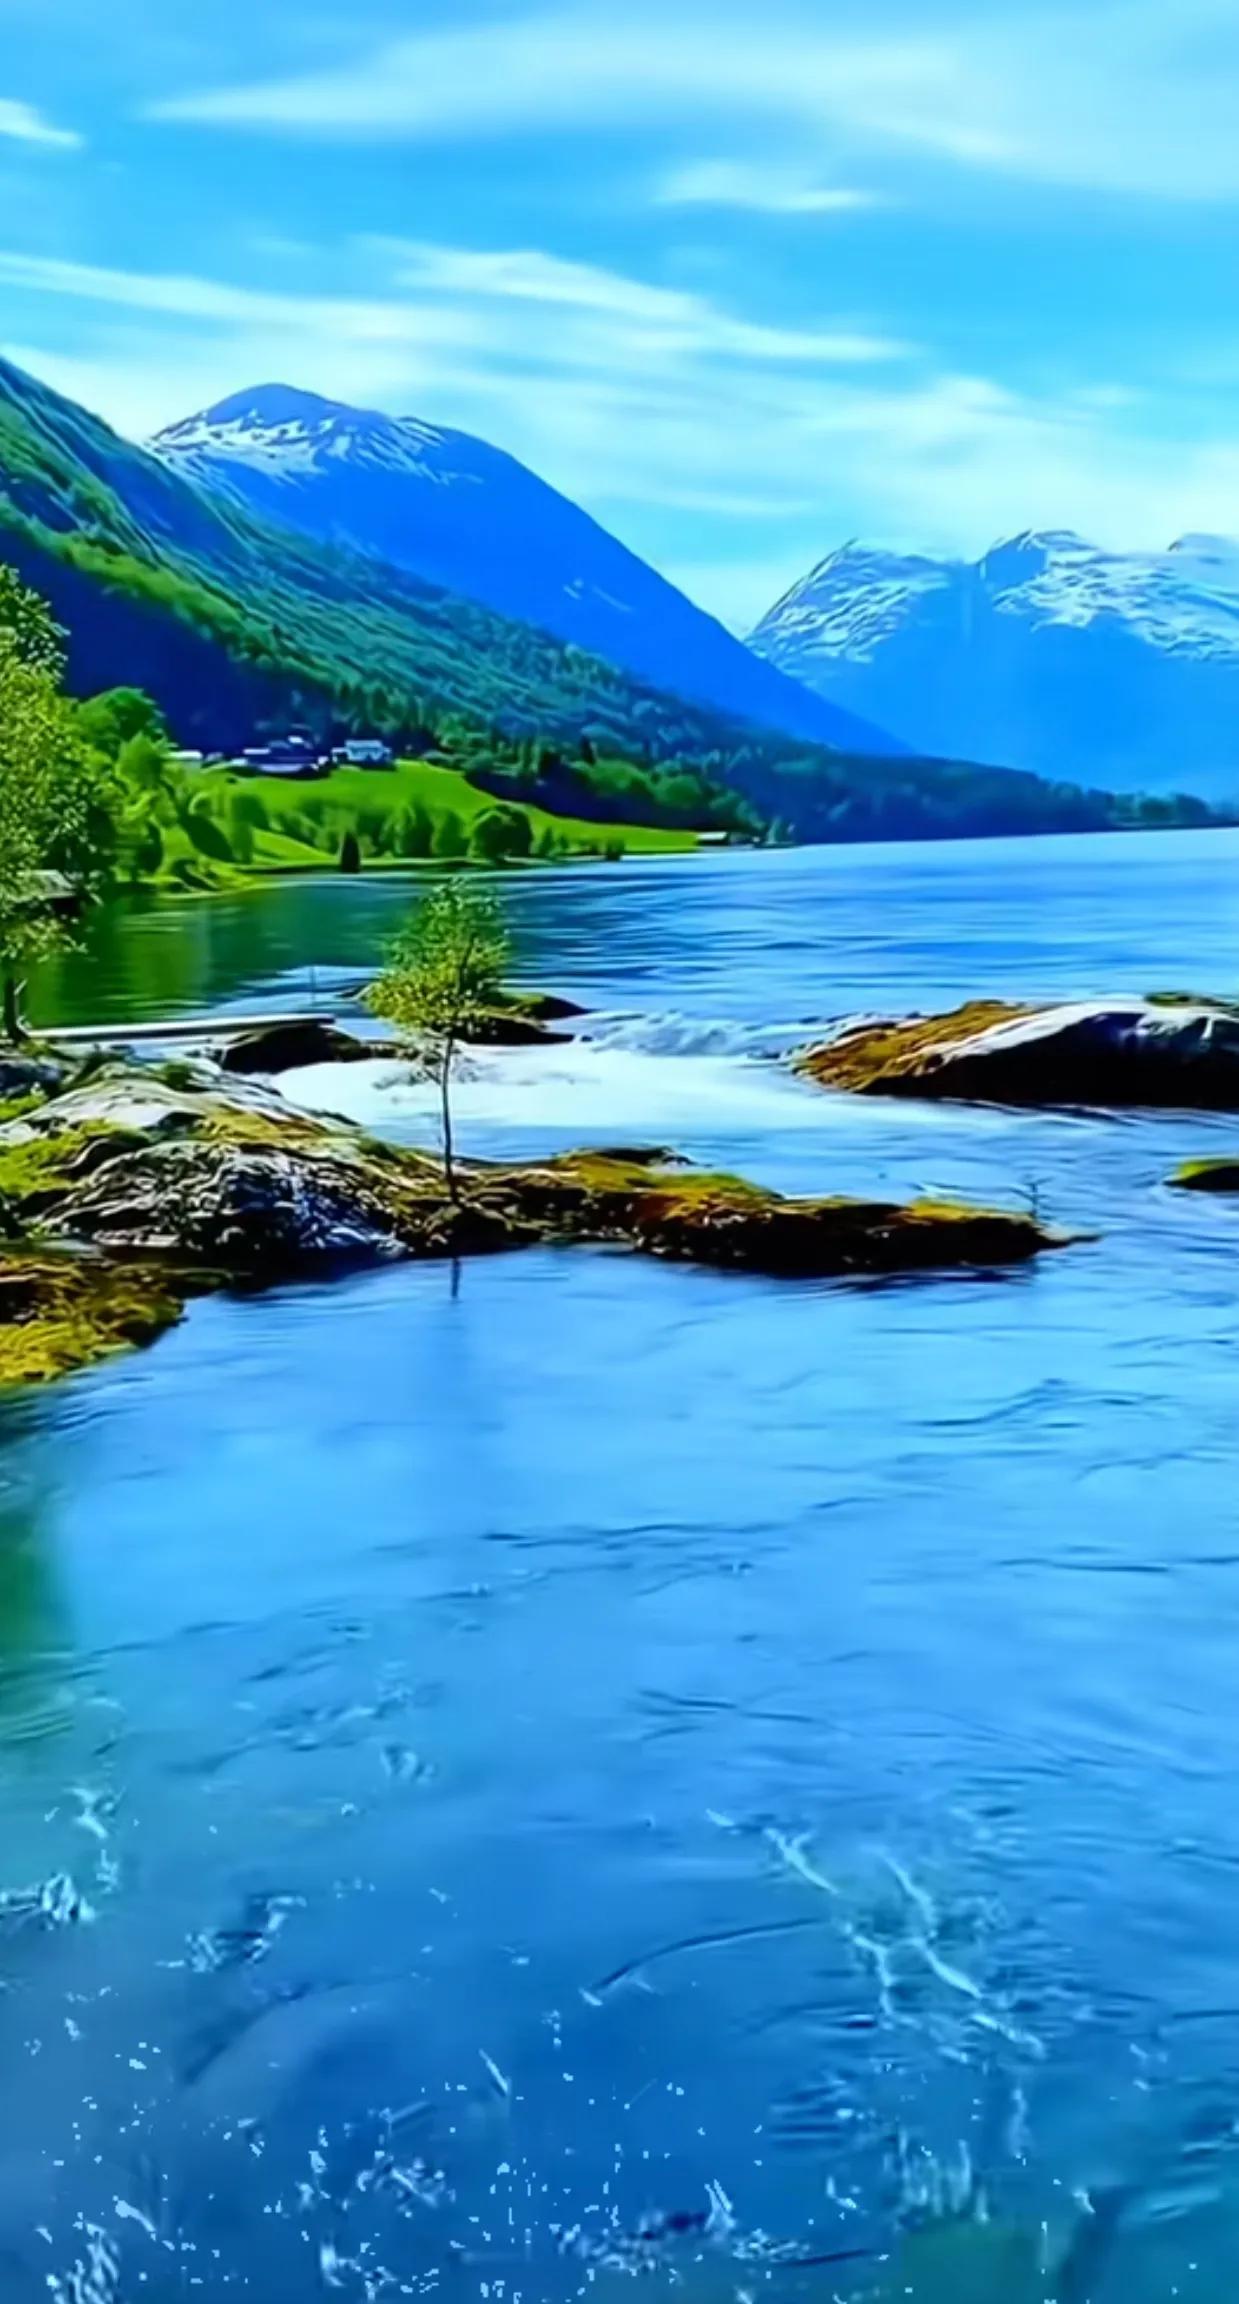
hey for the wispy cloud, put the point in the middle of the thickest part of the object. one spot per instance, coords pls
(1128, 96)
(725, 450)
(670, 319)
(760, 191)
(186, 296)
(22, 124)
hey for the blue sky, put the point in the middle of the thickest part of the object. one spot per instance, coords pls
(746, 281)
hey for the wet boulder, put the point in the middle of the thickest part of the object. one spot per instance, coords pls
(27, 1074)
(1178, 1054)
(274, 1048)
(1217, 1175)
(209, 1180)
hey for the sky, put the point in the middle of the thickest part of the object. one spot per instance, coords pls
(745, 281)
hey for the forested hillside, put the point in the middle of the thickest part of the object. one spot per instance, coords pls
(234, 625)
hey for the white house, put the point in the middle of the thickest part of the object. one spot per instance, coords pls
(363, 752)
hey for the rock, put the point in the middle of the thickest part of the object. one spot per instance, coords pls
(1118, 1054)
(509, 1028)
(273, 1048)
(548, 1007)
(29, 1075)
(60, 1311)
(698, 1218)
(1206, 1176)
(225, 1181)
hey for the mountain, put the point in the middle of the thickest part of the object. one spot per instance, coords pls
(1049, 654)
(235, 624)
(460, 514)
(228, 618)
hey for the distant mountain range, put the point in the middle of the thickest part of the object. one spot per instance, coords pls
(1049, 654)
(462, 515)
(166, 575)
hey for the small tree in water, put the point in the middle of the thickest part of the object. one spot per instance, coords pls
(444, 974)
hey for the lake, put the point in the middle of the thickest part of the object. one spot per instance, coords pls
(519, 1777)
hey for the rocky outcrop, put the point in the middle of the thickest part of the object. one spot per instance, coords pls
(179, 1179)
(274, 1048)
(1118, 1054)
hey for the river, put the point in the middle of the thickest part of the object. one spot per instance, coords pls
(568, 1768)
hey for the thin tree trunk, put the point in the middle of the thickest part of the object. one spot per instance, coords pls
(445, 1098)
(14, 1030)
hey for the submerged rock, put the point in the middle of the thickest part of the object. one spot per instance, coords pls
(1118, 1054)
(211, 1179)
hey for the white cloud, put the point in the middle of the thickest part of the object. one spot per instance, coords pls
(24, 125)
(761, 191)
(666, 319)
(1133, 96)
(186, 296)
(647, 404)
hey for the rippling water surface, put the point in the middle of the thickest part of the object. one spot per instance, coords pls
(573, 1769)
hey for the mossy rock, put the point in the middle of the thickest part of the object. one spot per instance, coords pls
(1206, 1176)
(1118, 1055)
(218, 1179)
(62, 1311)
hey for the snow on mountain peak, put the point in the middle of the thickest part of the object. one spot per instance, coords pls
(287, 433)
(1049, 652)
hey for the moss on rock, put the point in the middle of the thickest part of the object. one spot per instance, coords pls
(60, 1311)
(889, 1058)
(216, 1180)
(1217, 1175)
(1116, 1055)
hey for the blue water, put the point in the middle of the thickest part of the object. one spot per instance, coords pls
(515, 1757)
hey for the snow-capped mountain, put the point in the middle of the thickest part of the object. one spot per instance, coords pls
(458, 513)
(1119, 669)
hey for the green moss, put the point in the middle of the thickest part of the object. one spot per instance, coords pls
(16, 1107)
(872, 1056)
(34, 1166)
(61, 1311)
(1207, 1176)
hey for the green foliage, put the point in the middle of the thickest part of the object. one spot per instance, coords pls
(501, 834)
(449, 842)
(27, 627)
(239, 826)
(117, 717)
(445, 969)
(349, 859)
(444, 977)
(414, 833)
(206, 832)
(56, 803)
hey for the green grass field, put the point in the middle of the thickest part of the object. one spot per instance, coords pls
(362, 799)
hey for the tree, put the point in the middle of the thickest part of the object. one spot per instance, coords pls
(449, 837)
(117, 716)
(444, 975)
(57, 803)
(414, 834)
(350, 852)
(500, 833)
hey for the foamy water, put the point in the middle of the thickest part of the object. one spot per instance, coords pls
(584, 1088)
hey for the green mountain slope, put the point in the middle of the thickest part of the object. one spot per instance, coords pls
(233, 623)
